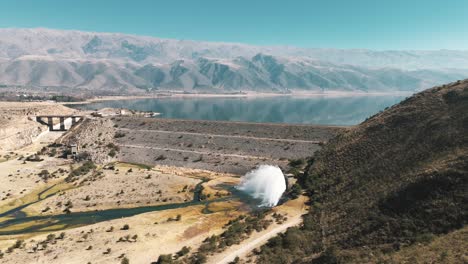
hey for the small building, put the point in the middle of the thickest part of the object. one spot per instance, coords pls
(73, 150)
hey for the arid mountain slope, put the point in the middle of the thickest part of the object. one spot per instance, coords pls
(398, 178)
(108, 62)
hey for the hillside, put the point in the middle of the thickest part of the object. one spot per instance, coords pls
(391, 184)
(75, 60)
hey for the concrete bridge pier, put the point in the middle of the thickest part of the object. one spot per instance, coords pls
(50, 121)
(62, 123)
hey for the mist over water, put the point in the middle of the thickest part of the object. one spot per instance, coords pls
(266, 183)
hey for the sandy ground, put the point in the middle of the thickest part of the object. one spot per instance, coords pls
(20, 182)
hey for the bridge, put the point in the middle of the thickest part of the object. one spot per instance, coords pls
(49, 121)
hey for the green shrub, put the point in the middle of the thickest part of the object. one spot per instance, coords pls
(165, 259)
(83, 169)
(297, 163)
(112, 153)
(295, 191)
(184, 251)
(125, 261)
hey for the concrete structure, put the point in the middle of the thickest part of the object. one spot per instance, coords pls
(74, 149)
(50, 121)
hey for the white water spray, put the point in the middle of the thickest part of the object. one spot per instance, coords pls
(266, 183)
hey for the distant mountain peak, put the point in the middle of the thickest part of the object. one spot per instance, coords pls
(64, 54)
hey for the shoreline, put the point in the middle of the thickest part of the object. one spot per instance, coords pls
(238, 95)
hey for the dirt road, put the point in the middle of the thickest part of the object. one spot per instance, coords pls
(255, 241)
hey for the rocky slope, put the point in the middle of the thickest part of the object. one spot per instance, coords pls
(94, 139)
(38, 58)
(396, 180)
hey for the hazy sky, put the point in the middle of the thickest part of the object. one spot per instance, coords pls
(373, 24)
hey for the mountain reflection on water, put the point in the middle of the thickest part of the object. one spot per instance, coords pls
(320, 110)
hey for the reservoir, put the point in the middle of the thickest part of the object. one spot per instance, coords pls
(318, 110)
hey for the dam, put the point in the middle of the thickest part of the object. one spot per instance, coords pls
(228, 147)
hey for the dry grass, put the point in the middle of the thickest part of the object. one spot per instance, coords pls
(153, 239)
(31, 197)
(450, 248)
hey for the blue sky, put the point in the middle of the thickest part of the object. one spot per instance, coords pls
(372, 24)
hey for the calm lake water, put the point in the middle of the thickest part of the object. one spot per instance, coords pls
(285, 109)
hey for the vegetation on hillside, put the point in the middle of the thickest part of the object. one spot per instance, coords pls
(397, 180)
(235, 232)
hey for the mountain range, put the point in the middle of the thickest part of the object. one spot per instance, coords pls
(38, 58)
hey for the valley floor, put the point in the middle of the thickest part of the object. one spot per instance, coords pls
(170, 203)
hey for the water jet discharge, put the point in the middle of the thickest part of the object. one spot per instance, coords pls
(266, 183)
